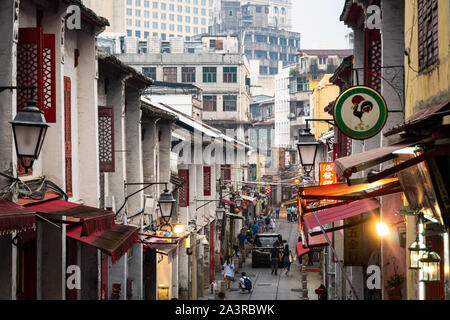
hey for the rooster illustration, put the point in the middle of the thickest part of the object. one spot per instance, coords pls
(360, 106)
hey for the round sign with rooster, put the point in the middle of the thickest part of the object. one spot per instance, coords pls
(360, 112)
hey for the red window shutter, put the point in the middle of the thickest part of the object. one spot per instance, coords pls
(183, 192)
(206, 181)
(372, 59)
(36, 67)
(106, 139)
(68, 134)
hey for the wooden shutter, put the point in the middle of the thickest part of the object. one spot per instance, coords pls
(428, 33)
(183, 194)
(36, 67)
(226, 172)
(206, 181)
(106, 139)
(68, 134)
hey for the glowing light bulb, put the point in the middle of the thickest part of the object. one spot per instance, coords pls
(382, 229)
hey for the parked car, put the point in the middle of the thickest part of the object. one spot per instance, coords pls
(262, 243)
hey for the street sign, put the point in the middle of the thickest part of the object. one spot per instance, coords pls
(360, 112)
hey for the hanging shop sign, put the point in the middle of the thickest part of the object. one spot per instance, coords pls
(327, 175)
(360, 112)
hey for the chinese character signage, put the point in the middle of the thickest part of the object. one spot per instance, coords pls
(327, 174)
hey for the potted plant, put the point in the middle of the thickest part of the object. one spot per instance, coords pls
(394, 284)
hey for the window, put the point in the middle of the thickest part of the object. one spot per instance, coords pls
(260, 54)
(106, 138)
(171, 27)
(180, 28)
(188, 74)
(155, 15)
(163, 16)
(203, 30)
(283, 41)
(248, 53)
(428, 33)
(206, 181)
(195, 20)
(163, 26)
(163, 36)
(188, 30)
(273, 40)
(129, 22)
(129, 2)
(146, 4)
(230, 74)
(155, 25)
(302, 84)
(283, 57)
(171, 17)
(146, 34)
(146, 24)
(260, 38)
(155, 5)
(258, 9)
(273, 55)
(262, 70)
(209, 74)
(196, 30)
(180, 18)
(163, 6)
(146, 14)
(203, 22)
(149, 72)
(195, 10)
(183, 191)
(203, 12)
(129, 12)
(209, 103)
(322, 60)
(188, 9)
(291, 42)
(170, 74)
(188, 19)
(180, 9)
(203, 2)
(137, 13)
(171, 7)
(273, 70)
(225, 172)
(129, 33)
(230, 103)
(138, 33)
(138, 23)
(138, 3)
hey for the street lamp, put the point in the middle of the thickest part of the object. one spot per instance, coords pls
(166, 202)
(307, 149)
(29, 129)
(430, 266)
(416, 249)
(220, 211)
(238, 200)
(382, 229)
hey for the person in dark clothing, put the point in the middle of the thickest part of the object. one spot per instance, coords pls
(241, 237)
(287, 259)
(277, 213)
(322, 292)
(310, 258)
(275, 256)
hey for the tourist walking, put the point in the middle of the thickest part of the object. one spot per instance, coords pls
(287, 259)
(288, 211)
(275, 256)
(277, 212)
(228, 271)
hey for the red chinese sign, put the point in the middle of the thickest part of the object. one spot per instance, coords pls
(327, 175)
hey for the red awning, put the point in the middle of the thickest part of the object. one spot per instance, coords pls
(49, 195)
(318, 241)
(300, 250)
(92, 219)
(231, 203)
(15, 218)
(342, 212)
(115, 241)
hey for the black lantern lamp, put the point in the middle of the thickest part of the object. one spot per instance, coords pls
(220, 212)
(307, 149)
(430, 263)
(238, 200)
(416, 250)
(29, 129)
(166, 202)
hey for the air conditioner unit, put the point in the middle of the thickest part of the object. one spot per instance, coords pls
(110, 204)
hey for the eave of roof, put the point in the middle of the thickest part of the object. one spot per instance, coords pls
(155, 112)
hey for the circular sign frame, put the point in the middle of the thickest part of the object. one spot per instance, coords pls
(370, 131)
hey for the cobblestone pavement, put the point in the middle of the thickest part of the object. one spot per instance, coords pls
(273, 287)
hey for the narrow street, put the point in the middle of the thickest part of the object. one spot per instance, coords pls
(270, 287)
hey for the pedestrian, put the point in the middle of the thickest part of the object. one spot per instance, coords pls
(277, 213)
(275, 256)
(244, 283)
(272, 224)
(288, 210)
(255, 228)
(267, 222)
(310, 258)
(287, 259)
(322, 292)
(261, 223)
(228, 271)
(241, 237)
(236, 246)
(294, 214)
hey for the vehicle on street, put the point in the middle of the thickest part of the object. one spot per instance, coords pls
(262, 243)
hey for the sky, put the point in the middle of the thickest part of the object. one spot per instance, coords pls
(319, 25)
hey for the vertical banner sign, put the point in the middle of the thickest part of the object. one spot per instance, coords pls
(327, 175)
(353, 253)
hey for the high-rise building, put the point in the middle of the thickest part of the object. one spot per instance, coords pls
(155, 18)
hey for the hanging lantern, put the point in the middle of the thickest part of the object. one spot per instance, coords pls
(416, 250)
(430, 270)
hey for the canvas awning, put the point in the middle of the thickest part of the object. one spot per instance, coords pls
(231, 203)
(340, 213)
(92, 219)
(15, 218)
(115, 241)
